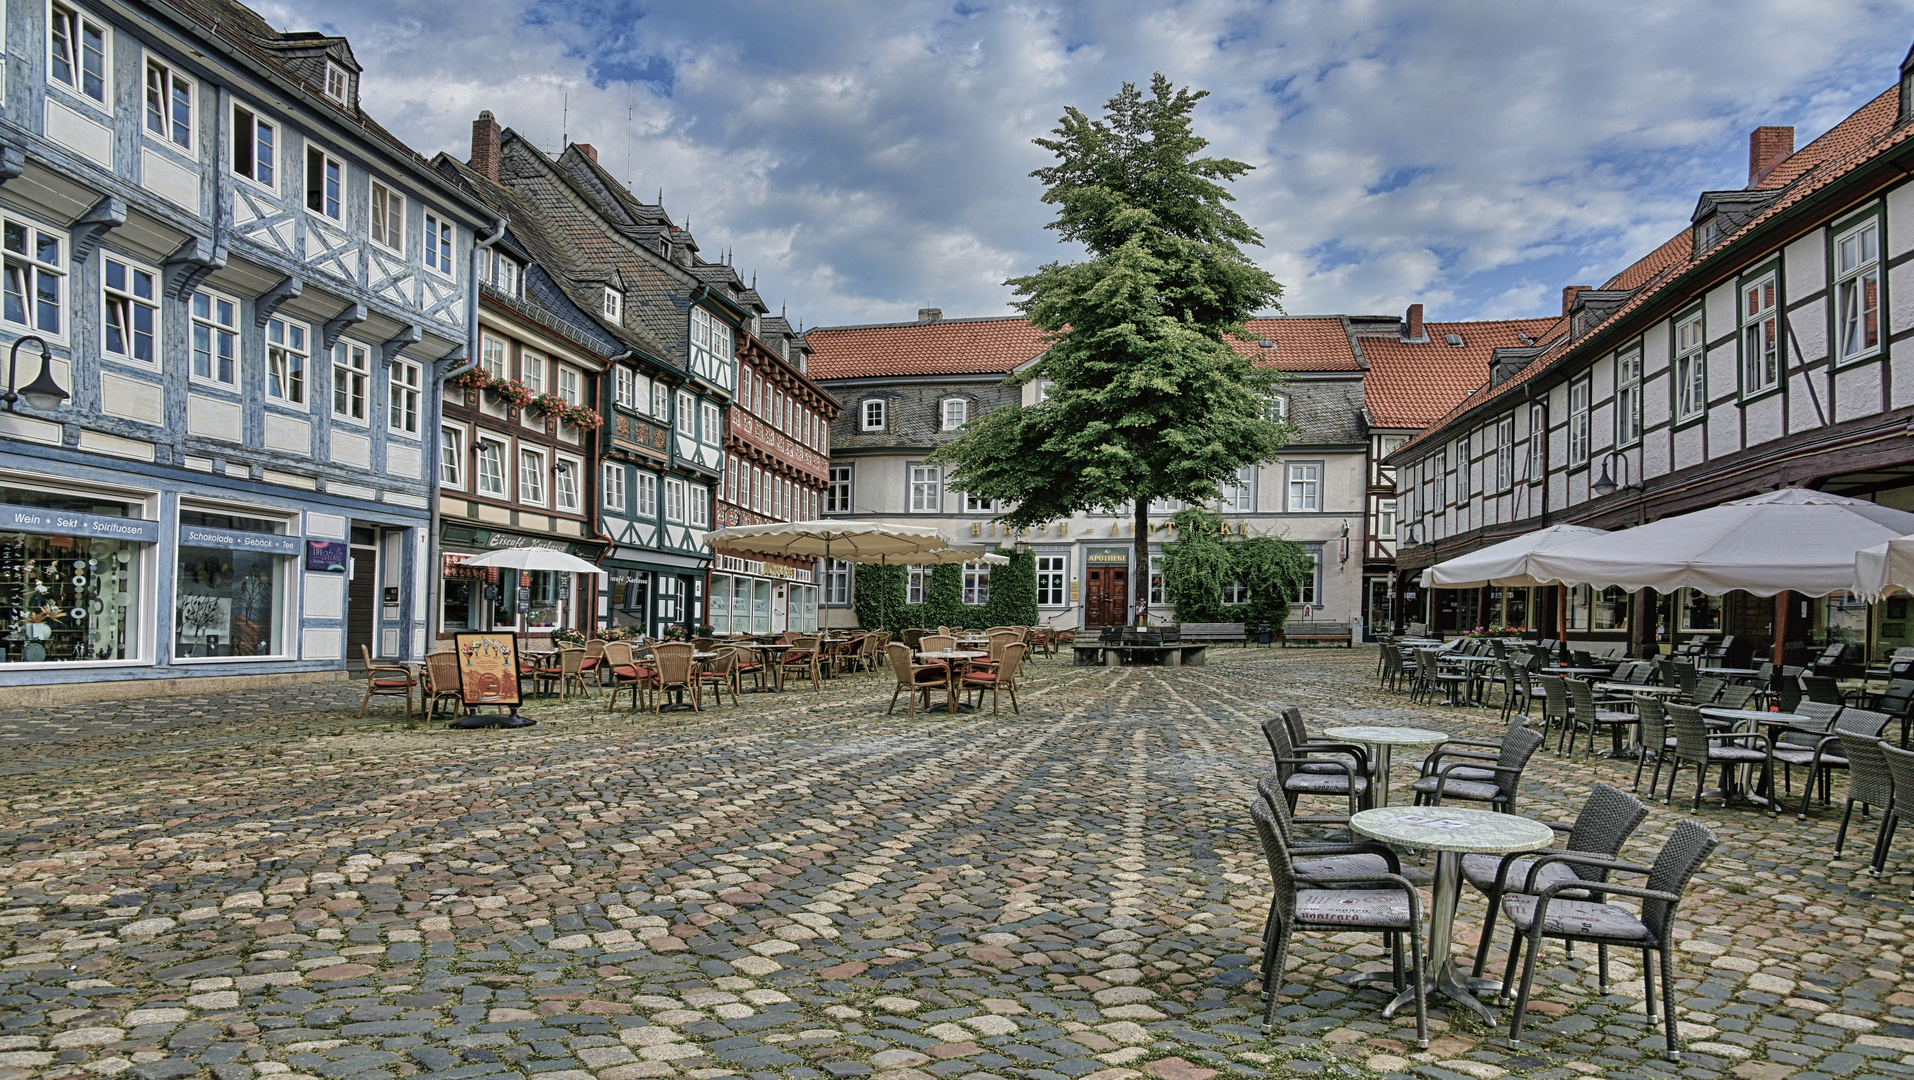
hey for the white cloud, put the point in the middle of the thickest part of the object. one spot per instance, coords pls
(870, 158)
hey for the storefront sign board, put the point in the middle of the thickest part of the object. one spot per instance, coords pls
(62, 523)
(488, 668)
(205, 536)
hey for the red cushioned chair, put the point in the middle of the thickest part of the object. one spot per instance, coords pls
(1002, 679)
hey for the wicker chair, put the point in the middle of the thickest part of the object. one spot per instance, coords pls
(1900, 770)
(1518, 745)
(1706, 690)
(441, 682)
(1655, 739)
(1337, 858)
(803, 659)
(1652, 930)
(1735, 697)
(386, 679)
(1869, 782)
(720, 674)
(1349, 778)
(626, 673)
(1556, 709)
(1301, 902)
(1003, 677)
(915, 678)
(677, 670)
(1695, 745)
(1587, 715)
(1300, 740)
(1606, 821)
(593, 666)
(567, 673)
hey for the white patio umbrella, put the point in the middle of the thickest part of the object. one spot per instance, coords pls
(1506, 563)
(1792, 539)
(845, 541)
(532, 558)
(1884, 569)
(956, 554)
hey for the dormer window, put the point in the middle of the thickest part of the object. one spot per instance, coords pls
(338, 84)
(1907, 87)
(956, 413)
(1706, 233)
(614, 306)
(1277, 410)
(874, 415)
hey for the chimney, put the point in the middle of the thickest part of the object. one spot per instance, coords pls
(588, 150)
(1412, 324)
(930, 314)
(1570, 293)
(1768, 147)
(485, 141)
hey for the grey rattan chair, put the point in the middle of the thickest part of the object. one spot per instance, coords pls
(1300, 902)
(1302, 743)
(1334, 858)
(1348, 779)
(1655, 739)
(1735, 697)
(1518, 745)
(1588, 715)
(1900, 770)
(1695, 745)
(1869, 782)
(1606, 821)
(1555, 706)
(1652, 930)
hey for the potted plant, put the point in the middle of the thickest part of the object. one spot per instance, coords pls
(566, 637)
(582, 416)
(475, 379)
(550, 405)
(514, 393)
(674, 633)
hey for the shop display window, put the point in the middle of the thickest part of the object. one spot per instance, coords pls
(64, 597)
(231, 586)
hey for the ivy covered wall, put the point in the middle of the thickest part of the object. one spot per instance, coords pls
(879, 592)
(1196, 568)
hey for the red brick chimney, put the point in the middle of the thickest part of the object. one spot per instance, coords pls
(1412, 324)
(485, 143)
(1569, 294)
(588, 150)
(1768, 147)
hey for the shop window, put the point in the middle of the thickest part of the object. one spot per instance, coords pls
(1589, 610)
(231, 578)
(70, 598)
(1700, 613)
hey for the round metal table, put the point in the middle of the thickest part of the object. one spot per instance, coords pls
(1450, 832)
(1382, 738)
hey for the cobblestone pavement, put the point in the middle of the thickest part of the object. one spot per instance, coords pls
(804, 887)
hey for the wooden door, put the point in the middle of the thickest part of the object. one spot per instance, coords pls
(1106, 596)
(362, 596)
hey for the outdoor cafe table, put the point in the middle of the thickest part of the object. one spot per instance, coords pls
(952, 657)
(770, 654)
(1472, 660)
(1728, 670)
(1450, 832)
(1382, 738)
(1747, 718)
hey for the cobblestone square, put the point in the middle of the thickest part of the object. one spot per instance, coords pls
(801, 886)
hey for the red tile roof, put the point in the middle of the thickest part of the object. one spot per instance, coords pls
(1863, 136)
(1300, 343)
(948, 347)
(1412, 384)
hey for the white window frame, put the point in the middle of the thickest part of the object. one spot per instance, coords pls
(563, 466)
(1505, 453)
(837, 499)
(405, 390)
(837, 583)
(1239, 495)
(1303, 493)
(288, 361)
(351, 379)
(276, 143)
(974, 505)
(711, 423)
(1628, 395)
(687, 415)
(83, 20)
(532, 481)
(1857, 268)
(674, 499)
(568, 384)
(731, 468)
(441, 244)
(325, 158)
(216, 329)
(170, 83)
(1277, 411)
(495, 450)
(976, 584)
(611, 482)
(531, 370)
(1312, 591)
(339, 77)
(756, 501)
(873, 409)
(926, 488)
(660, 402)
(505, 273)
(698, 506)
(29, 269)
(128, 301)
(1580, 419)
(1759, 318)
(1690, 367)
(612, 307)
(378, 222)
(1053, 580)
(646, 493)
(1386, 519)
(917, 584)
(622, 386)
(1538, 443)
(451, 457)
(955, 413)
(494, 358)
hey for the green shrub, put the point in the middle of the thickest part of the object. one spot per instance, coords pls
(879, 591)
(1197, 566)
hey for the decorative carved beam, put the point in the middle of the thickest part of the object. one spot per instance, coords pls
(352, 315)
(454, 358)
(190, 263)
(268, 303)
(389, 351)
(91, 228)
(13, 162)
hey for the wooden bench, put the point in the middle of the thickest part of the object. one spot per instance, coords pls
(1329, 633)
(1215, 631)
(1161, 645)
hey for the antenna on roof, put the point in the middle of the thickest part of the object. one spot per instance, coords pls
(565, 123)
(628, 112)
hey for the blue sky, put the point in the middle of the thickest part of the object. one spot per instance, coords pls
(867, 159)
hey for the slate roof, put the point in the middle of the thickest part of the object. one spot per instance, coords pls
(948, 347)
(1412, 384)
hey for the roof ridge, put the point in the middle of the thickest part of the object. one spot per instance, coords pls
(939, 322)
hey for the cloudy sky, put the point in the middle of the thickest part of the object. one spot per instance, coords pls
(869, 157)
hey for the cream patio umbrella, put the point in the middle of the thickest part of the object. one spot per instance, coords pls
(532, 558)
(1884, 569)
(845, 541)
(1506, 563)
(1789, 540)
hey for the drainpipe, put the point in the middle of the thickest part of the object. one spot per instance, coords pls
(604, 445)
(435, 408)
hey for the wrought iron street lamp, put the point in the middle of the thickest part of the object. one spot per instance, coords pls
(44, 392)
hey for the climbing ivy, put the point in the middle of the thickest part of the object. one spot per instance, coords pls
(1201, 561)
(880, 590)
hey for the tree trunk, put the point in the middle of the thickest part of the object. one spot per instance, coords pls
(1140, 581)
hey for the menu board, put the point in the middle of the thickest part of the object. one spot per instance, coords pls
(488, 668)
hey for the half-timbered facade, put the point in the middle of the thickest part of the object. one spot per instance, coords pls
(1759, 348)
(249, 290)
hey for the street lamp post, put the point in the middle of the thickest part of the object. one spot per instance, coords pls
(44, 392)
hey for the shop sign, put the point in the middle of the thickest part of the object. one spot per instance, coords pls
(271, 544)
(1107, 556)
(488, 668)
(328, 555)
(61, 523)
(507, 540)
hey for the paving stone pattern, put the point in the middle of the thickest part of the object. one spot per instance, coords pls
(801, 886)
